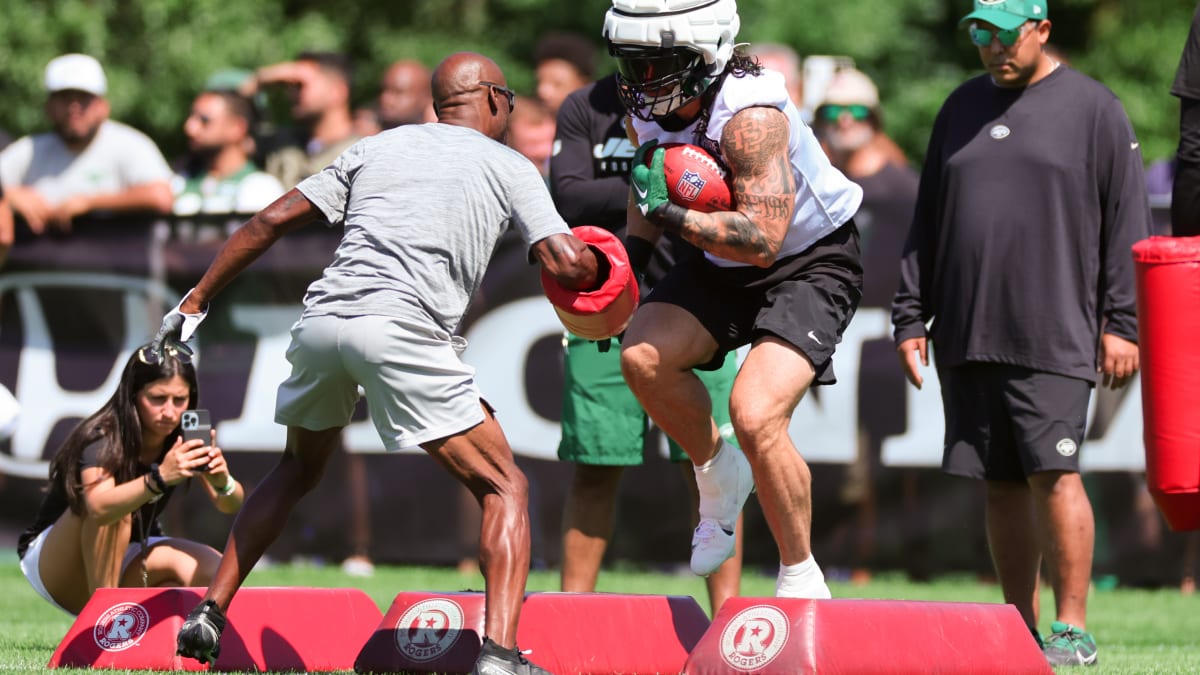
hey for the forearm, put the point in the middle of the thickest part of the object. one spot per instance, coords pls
(598, 201)
(155, 196)
(727, 234)
(109, 505)
(248, 243)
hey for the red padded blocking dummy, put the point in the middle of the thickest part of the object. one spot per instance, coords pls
(791, 636)
(591, 633)
(605, 311)
(1168, 298)
(305, 629)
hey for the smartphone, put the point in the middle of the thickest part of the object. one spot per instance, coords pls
(196, 424)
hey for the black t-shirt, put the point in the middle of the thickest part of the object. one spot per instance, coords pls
(1030, 200)
(55, 504)
(1187, 77)
(589, 170)
(889, 196)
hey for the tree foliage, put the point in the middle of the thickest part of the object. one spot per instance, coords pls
(158, 53)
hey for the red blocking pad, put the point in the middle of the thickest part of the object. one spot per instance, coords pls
(792, 636)
(269, 628)
(588, 633)
(1168, 293)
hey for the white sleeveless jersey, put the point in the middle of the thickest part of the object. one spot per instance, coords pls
(825, 198)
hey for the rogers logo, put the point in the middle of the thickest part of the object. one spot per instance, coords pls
(754, 637)
(121, 626)
(429, 628)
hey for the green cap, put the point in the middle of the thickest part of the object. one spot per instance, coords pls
(1007, 14)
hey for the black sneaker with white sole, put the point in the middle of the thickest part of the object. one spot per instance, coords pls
(200, 636)
(496, 660)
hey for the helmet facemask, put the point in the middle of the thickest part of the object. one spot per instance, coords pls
(654, 82)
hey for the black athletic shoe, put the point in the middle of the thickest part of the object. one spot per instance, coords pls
(200, 636)
(496, 660)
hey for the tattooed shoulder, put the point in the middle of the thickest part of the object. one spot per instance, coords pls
(753, 137)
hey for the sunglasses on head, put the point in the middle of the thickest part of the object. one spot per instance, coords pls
(983, 37)
(509, 94)
(831, 112)
(150, 356)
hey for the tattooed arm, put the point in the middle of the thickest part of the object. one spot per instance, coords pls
(571, 262)
(250, 241)
(755, 145)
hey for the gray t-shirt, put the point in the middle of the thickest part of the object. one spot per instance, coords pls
(118, 158)
(423, 207)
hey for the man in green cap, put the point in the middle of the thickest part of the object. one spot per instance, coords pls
(1037, 163)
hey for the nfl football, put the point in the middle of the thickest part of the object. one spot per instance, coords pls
(695, 180)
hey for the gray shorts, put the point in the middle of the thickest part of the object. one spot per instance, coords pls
(417, 388)
(1006, 422)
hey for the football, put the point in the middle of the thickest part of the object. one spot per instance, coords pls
(695, 180)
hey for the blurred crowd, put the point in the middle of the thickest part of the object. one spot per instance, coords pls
(239, 160)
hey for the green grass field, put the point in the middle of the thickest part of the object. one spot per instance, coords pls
(1137, 631)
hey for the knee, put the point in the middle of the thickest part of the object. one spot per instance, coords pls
(639, 365)
(513, 488)
(595, 482)
(300, 474)
(757, 427)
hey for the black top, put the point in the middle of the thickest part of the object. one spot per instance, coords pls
(1187, 78)
(1029, 202)
(889, 196)
(589, 170)
(55, 504)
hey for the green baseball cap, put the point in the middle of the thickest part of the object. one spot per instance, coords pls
(1007, 14)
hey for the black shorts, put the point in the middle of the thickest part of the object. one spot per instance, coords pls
(806, 300)
(1006, 422)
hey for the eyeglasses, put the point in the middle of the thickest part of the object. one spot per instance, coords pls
(983, 37)
(150, 356)
(831, 112)
(509, 94)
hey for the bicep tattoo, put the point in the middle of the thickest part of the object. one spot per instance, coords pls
(755, 145)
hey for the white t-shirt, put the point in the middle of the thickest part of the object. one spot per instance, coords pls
(118, 158)
(825, 198)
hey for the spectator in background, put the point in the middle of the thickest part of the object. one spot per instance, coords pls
(563, 62)
(218, 175)
(6, 231)
(531, 132)
(366, 121)
(89, 163)
(785, 61)
(319, 86)
(1185, 193)
(1019, 254)
(849, 124)
(604, 429)
(405, 96)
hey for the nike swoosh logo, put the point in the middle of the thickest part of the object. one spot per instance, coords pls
(1134, 146)
(812, 336)
(640, 192)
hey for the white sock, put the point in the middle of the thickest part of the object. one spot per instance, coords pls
(802, 580)
(710, 481)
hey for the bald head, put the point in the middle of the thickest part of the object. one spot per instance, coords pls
(404, 94)
(459, 99)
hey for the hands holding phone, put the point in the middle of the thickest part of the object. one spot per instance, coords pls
(200, 454)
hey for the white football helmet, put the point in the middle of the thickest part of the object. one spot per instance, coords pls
(668, 51)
